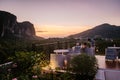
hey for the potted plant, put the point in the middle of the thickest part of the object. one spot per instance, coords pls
(84, 67)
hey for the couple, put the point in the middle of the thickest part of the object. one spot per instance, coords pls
(83, 48)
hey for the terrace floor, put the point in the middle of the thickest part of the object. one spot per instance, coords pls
(108, 70)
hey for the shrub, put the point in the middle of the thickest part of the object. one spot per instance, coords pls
(84, 67)
(28, 63)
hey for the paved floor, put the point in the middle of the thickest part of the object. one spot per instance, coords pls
(109, 70)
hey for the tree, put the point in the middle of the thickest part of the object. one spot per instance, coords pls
(28, 62)
(85, 67)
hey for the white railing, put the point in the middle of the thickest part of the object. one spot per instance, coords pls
(6, 64)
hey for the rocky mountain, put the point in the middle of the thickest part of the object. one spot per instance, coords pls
(7, 23)
(10, 27)
(24, 29)
(103, 30)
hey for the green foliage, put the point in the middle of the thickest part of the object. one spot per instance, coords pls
(84, 65)
(101, 45)
(26, 61)
(24, 66)
(57, 76)
(66, 76)
(4, 73)
(8, 47)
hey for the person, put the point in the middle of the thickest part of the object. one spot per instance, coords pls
(76, 49)
(91, 42)
(86, 49)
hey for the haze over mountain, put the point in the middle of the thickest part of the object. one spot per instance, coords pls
(104, 30)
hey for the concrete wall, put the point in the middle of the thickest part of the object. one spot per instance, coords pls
(57, 60)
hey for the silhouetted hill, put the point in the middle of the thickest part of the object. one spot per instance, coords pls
(104, 31)
(9, 27)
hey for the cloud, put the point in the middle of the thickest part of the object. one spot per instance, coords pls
(41, 31)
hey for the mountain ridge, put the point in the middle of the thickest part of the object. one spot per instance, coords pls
(104, 30)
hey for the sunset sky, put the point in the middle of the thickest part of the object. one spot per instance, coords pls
(60, 18)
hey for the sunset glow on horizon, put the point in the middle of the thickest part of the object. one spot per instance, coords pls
(58, 31)
(61, 18)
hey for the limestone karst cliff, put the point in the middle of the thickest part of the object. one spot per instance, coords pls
(10, 27)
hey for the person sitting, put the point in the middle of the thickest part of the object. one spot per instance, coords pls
(76, 49)
(86, 49)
